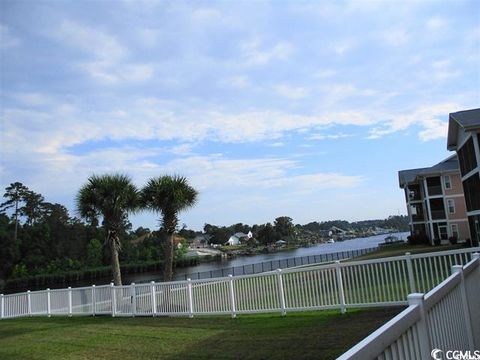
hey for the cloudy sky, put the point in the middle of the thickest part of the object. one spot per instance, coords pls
(306, 109)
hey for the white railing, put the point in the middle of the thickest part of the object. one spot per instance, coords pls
(447, 318)
(367, 283)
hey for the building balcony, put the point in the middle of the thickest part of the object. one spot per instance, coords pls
(438, 214)
(418, 217)
(434, 190)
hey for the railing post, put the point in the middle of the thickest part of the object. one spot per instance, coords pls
(232, 296)
(423, 330)
(465, 305)
(341, 293)
(114, 300)
(29, 303)
(411, 279)
(69, 301)
(154, 300)
(49, 308)
(134, 299)
(94, 301)
(476, 256)
(2, 306)
(190, 297)
(281, 293)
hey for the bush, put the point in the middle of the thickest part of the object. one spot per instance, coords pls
(437, 242)
(418, 239)
(453, 240)
(468, 243)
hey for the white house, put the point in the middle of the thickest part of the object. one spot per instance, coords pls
(236, 239)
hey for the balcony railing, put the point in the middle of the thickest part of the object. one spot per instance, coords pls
(435, 190)
(438, 214)
(418, 217)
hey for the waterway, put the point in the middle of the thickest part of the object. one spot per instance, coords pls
(182, 273)
(352, 244)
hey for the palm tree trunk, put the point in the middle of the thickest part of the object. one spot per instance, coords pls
(168, 260)
(117, 276)
(16, 221)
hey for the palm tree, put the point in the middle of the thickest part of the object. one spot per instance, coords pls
(168, 195)
(113, 197)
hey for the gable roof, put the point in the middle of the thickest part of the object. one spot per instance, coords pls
(469, 120)
(406, 177)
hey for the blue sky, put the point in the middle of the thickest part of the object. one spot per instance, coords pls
(305, 109)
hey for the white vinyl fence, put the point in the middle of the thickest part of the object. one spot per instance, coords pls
(378, 282)
(447, 318)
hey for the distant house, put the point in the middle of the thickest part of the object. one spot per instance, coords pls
(237, 238)
(337, 231)
(200, 241)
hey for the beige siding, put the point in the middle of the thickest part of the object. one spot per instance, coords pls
(463, 230)
(457, 187)
(460, 208)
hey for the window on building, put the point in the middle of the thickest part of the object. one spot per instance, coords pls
(451, 206)
(454, 228)
(447, 182)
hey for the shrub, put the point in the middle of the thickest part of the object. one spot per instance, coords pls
(453, 240)
(418, 239)
(468, 243)
(437, 242)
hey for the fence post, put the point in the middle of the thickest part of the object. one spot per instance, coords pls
(49, 309)
(2, 306)
(134, 299)
(114, 300)
(154, 300)
(411, 279)
(190, 298)
(341, 293)
(465, 305)
(29, 304)
(232, 296)
(70, 301)
(281, 293)
(423, 330)
(94, 301)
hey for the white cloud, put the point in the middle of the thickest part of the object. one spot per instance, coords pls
(32, 99)
(107, 58)
(238, 81)
(7, 40)
(436, 23)
(291, 92)
(254, 54)
(396, 37)
(343, 46)
(325, 73)
(443, 70)
(427, 117)
(206, 15)
(329, 136)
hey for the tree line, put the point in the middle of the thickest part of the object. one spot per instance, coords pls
(50, 239)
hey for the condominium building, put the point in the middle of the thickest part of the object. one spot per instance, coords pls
(435, 201)
(464, 138)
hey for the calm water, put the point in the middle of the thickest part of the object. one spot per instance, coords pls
(353, 244)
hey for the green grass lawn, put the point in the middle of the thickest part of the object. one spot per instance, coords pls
(310, 335)
(401, 249)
